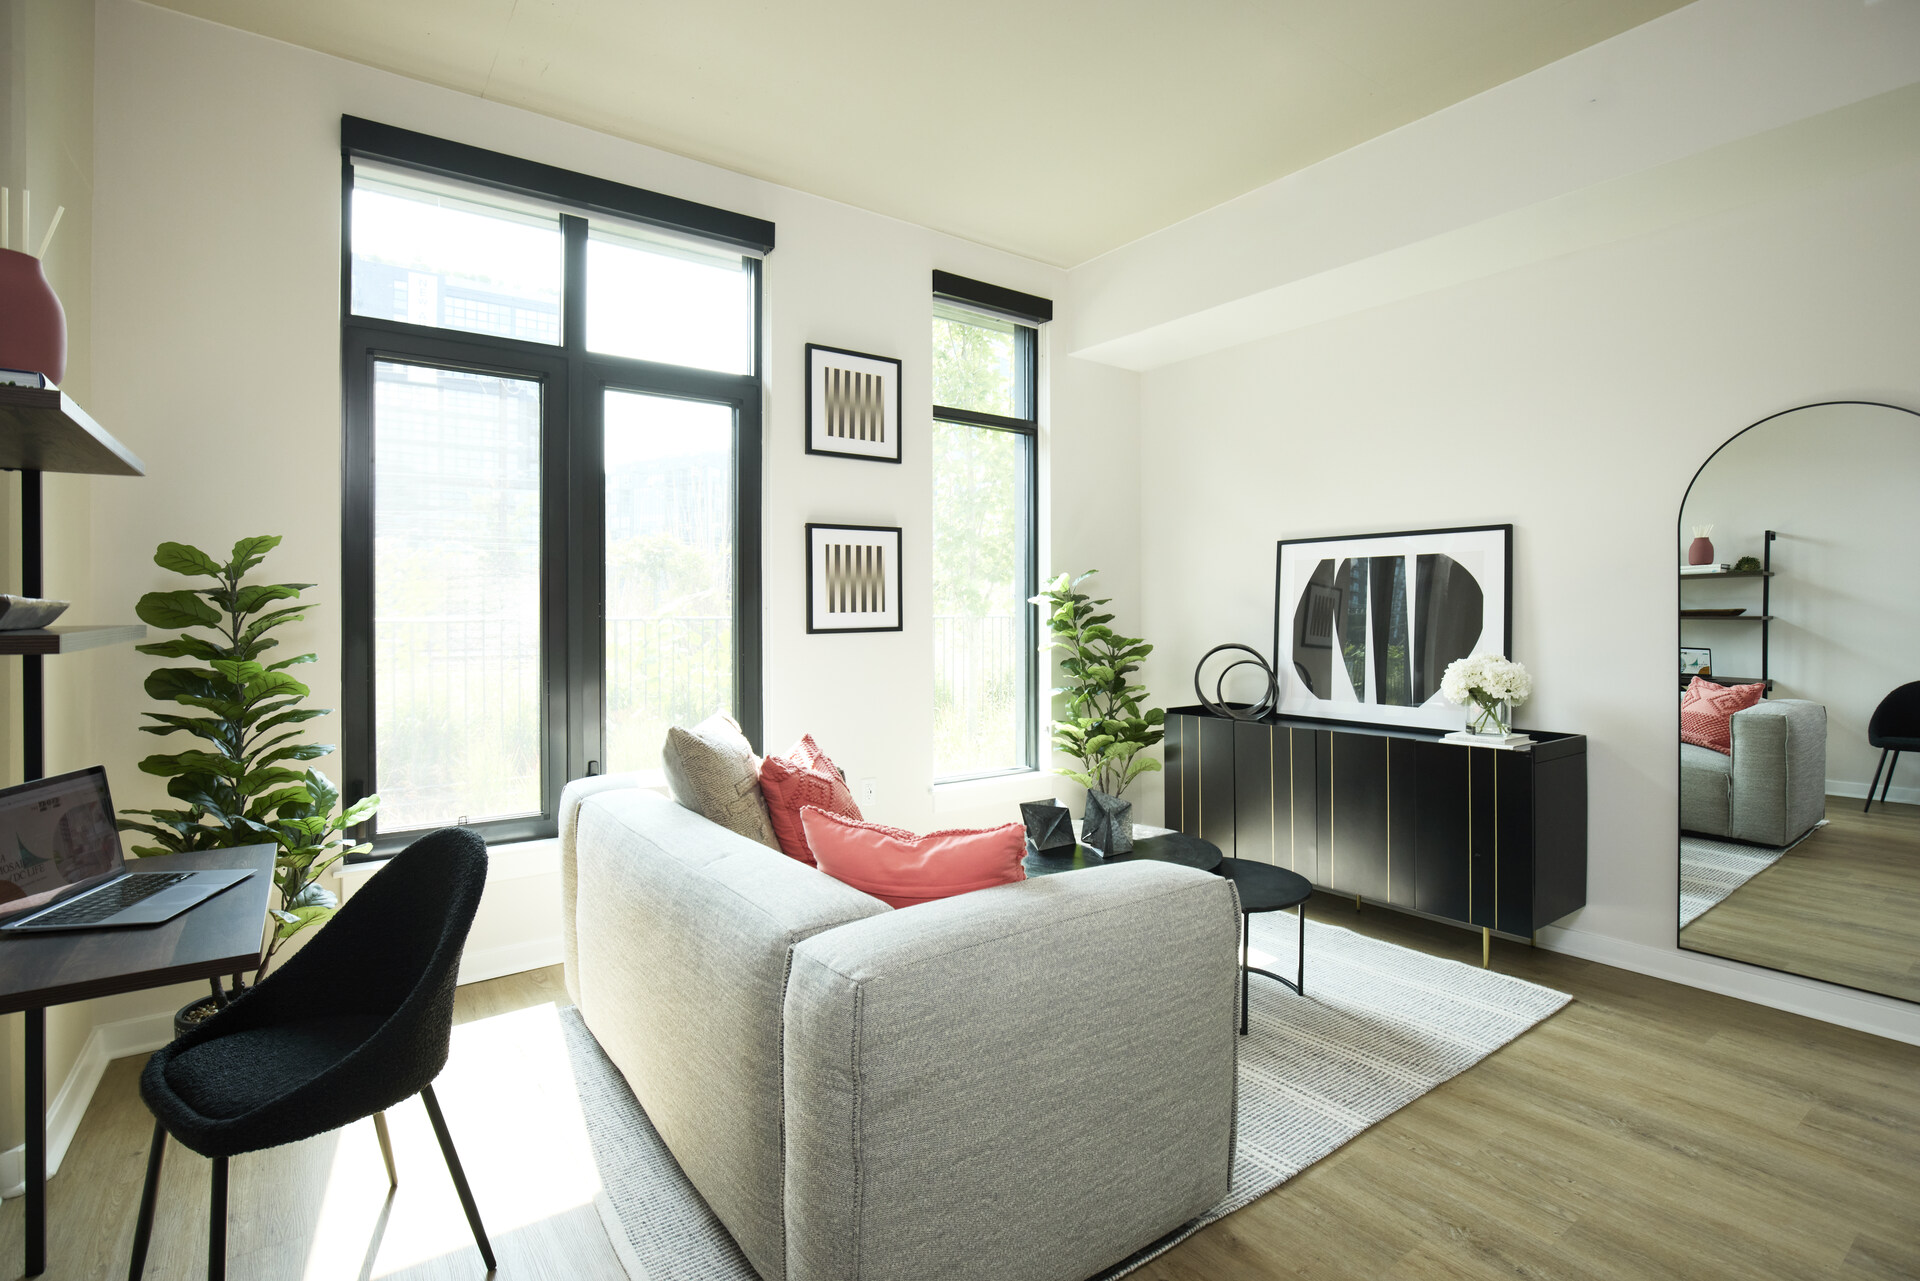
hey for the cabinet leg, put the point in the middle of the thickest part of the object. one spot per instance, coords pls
(1486, 948)
(1356, 902)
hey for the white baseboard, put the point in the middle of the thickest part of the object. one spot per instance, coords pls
(107, 1042)
(1903, 795)
(480, 964)
(1862, 1011)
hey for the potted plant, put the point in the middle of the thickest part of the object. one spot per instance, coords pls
(244, 785)
(1102, 727)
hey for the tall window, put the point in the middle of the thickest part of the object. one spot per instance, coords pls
(985, 424)
(552, 479)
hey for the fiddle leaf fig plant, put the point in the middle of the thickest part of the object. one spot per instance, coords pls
(1102, 726)
(245, 782)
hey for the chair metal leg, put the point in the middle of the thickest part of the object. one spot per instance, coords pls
(459, 1176)
(217, 1224)
(386, 1148)
(1888, 785)
(149, 1195)
(1876, 779)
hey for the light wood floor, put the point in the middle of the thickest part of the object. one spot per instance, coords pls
(1843, 905)
(1646, 1131)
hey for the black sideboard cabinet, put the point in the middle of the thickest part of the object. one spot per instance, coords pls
(1482, 836)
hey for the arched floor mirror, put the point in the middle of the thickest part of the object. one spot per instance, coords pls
(1799, 631)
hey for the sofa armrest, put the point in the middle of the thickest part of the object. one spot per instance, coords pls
(1031, 1081)
(1778, 770)
(571, 797)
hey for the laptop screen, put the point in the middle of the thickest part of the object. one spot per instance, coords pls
(54, 833)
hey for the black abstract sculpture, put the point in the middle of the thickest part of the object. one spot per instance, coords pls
(1218, 704)
(1049, 825)
(1107, 824)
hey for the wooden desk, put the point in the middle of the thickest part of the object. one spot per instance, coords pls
(220, 936)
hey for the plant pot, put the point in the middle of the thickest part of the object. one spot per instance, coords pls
(1700, 552)
(33, 325)
(193, 1014)
(1107, 824)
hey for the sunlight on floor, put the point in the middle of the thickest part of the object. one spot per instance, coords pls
(509, 1096)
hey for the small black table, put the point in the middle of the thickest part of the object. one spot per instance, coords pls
(1266, 888)
(1168, 847)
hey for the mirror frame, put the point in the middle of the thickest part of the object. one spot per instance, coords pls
(1679, 525)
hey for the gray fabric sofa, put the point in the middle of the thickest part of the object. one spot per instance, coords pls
(1772, 789)
(1030, 1081)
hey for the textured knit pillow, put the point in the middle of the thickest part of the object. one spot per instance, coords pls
(902, 869)
(1706, 713)
(804, 776)
(711, 769)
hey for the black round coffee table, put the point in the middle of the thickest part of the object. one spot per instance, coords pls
(1266, 888)
(1168, 847)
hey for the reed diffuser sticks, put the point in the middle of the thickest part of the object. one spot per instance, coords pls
(26, 223)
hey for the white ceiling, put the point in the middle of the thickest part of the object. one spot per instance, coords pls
(1057, 129)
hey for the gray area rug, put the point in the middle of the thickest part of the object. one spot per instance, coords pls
(1711, 870)
(1380, 1026)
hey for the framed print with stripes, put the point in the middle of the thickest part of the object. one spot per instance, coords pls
(853, 578)
(853, 404)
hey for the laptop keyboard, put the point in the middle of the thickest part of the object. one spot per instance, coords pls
(90, 909)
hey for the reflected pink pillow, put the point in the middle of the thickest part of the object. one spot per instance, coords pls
(1707, 711)
(902, 869)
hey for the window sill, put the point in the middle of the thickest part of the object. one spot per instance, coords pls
(1000, 790)
(508, 862)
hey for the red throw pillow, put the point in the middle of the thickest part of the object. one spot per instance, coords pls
(902, 869)
(804, 776)
(1706, 713)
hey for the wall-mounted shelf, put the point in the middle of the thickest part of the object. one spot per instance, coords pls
(42, 429)
(1764, 617)
(1686, 679)
(67, 640)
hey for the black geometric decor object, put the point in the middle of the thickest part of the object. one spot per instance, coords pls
(1107, 824)
(1049, 825)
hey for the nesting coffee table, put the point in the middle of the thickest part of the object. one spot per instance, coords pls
(1266, 888)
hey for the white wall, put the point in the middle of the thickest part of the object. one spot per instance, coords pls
(1839, 484)
(1574, 398)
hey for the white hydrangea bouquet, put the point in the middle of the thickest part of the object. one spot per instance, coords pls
(1489, 686)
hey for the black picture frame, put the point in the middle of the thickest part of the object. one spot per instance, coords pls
(1431, 712)
(820, 437)
(891, 616)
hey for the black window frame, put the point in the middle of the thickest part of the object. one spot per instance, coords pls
(1028, 313)
(572, 476)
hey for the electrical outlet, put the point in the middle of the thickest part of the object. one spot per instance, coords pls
(869, 790)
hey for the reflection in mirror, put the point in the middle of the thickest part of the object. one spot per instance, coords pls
(1799, 556)
(1449, 613)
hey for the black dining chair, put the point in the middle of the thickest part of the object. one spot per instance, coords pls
(1895, 728)
(355, 1022)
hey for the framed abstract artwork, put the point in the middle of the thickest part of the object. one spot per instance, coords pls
(1364, 625)
(853, 404)
(853, 578)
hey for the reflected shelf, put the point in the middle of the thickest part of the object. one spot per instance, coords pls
(67, 640)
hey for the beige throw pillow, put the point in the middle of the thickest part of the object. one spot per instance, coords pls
(712, 770)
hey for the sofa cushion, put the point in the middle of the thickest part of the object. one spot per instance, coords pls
(713, 772)
(1706, 791)
(804, 776)
(682, 931)
(902, 869)
(1706, 713)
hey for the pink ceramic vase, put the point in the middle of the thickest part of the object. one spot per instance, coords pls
(33, 325)
(1701, 552)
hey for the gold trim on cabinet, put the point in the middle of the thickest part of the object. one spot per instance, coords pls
(1293, 819)
(1469, 834)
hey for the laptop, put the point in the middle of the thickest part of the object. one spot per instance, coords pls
(61, 867)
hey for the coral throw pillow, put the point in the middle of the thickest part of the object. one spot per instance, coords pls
(1706, 713)
(804, 776)
(902, 869)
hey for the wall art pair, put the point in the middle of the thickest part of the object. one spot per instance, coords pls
(853, 571)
